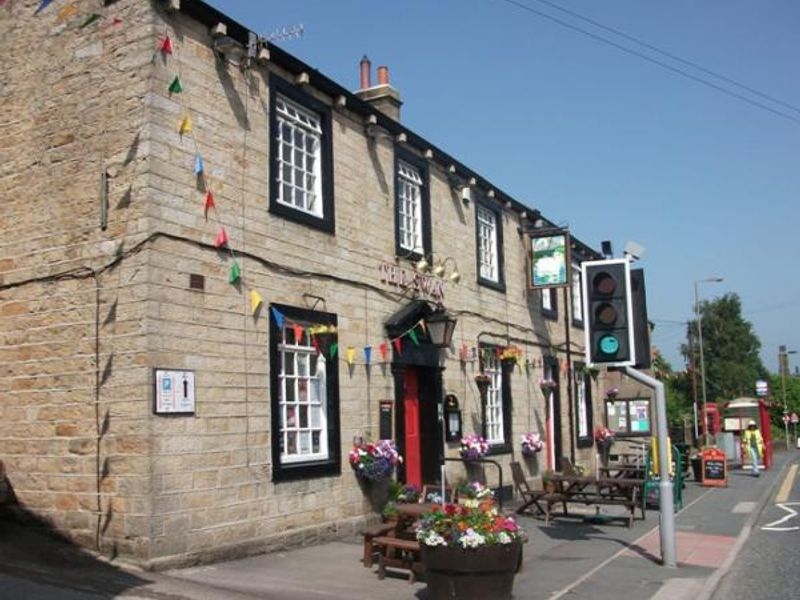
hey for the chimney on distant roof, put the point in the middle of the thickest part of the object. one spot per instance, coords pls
(382, 96)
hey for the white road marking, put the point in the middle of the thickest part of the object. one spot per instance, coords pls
(744, 508)
(792, 513)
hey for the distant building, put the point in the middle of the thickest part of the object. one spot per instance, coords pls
(148, 410)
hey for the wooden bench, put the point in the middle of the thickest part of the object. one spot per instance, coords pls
(397, 553)
(370, 533)
(599, 492)
(542, 500)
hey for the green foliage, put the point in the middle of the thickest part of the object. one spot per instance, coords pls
(730, 348)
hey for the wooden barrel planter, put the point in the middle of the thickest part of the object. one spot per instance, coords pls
(473, 573)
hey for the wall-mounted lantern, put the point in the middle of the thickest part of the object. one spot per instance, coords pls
(452, 418)
(440, 328)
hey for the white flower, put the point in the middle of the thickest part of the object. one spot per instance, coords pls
(471, 539)
(504, 538)
(431, 538)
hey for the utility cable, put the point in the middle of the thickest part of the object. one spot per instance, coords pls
(655, 61)
(674, 57)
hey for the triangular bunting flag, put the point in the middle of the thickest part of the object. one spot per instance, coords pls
(222, 238)
(413, 335)
(255, 300)
(422, 325)
(367, 354)
(186, 125)
(334, 349)
(235, 273)
(398, 345)
(351, 354)
(199, 167)
(44, 4)
(66, 12)
(279, 318)
(208, 203)
(166, 45)
(315, 343)
(175, 87)
(90, 19)
(298, 332)
(384, 349)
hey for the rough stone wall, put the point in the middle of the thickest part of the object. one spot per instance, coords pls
(78, 435)
(73, 431)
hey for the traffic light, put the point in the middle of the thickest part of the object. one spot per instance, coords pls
(608, 304)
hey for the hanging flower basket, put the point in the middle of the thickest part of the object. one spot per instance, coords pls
(532, 443)
(374, 462)
(547, 386)
(473, 447)
(612, 393)
(603, 437)
(482, 380)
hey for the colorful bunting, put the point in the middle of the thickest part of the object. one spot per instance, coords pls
(235, 273)
(90, 19)
(334, 349)
(166, 46)
(384, 349)
(199, 167)
(351, 354)
(279, 318)
(66, 12)
(186, 125)
(222, 238)
(255, 301)
(413, 335)
(175, 87)
(398, 345)
(44, 4)
(298, 332)
(208, 203)
(367, 354)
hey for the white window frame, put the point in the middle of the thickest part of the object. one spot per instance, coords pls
(304, 126)
(488, 254)
(493, 411)
(577, 294)
(583, 409)
(315, 401)
(409, 212)
(547, 299)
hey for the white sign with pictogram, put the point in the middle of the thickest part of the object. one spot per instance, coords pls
(174, 393)
(762, 388)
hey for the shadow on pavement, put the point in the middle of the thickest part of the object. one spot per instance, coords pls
(31, 550)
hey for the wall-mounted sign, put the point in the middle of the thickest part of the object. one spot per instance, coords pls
(174, 392)
(425, 285)
(549, 265)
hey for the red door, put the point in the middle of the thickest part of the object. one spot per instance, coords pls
(413, 458)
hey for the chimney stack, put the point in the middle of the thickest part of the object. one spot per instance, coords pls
(382, 96)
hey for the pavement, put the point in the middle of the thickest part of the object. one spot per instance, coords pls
(573, 558)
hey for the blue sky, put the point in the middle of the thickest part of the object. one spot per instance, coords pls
(610, 144)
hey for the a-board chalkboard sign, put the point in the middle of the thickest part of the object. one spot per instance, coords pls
(385, 424)
(715, 472)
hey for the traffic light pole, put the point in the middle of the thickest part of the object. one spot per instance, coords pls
(665, 486)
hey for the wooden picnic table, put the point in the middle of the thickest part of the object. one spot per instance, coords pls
(399, 548)
(621, 491)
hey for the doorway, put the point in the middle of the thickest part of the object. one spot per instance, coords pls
(419, 435)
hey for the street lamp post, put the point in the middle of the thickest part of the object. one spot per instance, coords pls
(783, 367)
(702, 360)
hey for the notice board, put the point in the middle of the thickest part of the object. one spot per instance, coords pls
(715, 468)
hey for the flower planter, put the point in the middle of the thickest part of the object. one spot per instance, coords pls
(471, 574)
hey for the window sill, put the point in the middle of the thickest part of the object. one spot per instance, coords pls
(499, 286)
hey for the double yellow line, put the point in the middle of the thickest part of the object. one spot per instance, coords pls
(786, 486)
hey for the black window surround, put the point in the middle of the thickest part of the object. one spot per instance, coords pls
(552, 312)
(311, 469)
(500, 284)
(581, 375)
(327, 222)
(505, 447)
(421, 165)
(577, 323)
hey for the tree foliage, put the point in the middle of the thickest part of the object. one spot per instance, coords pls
(730, 349)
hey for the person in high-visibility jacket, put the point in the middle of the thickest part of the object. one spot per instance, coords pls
(752, 445)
